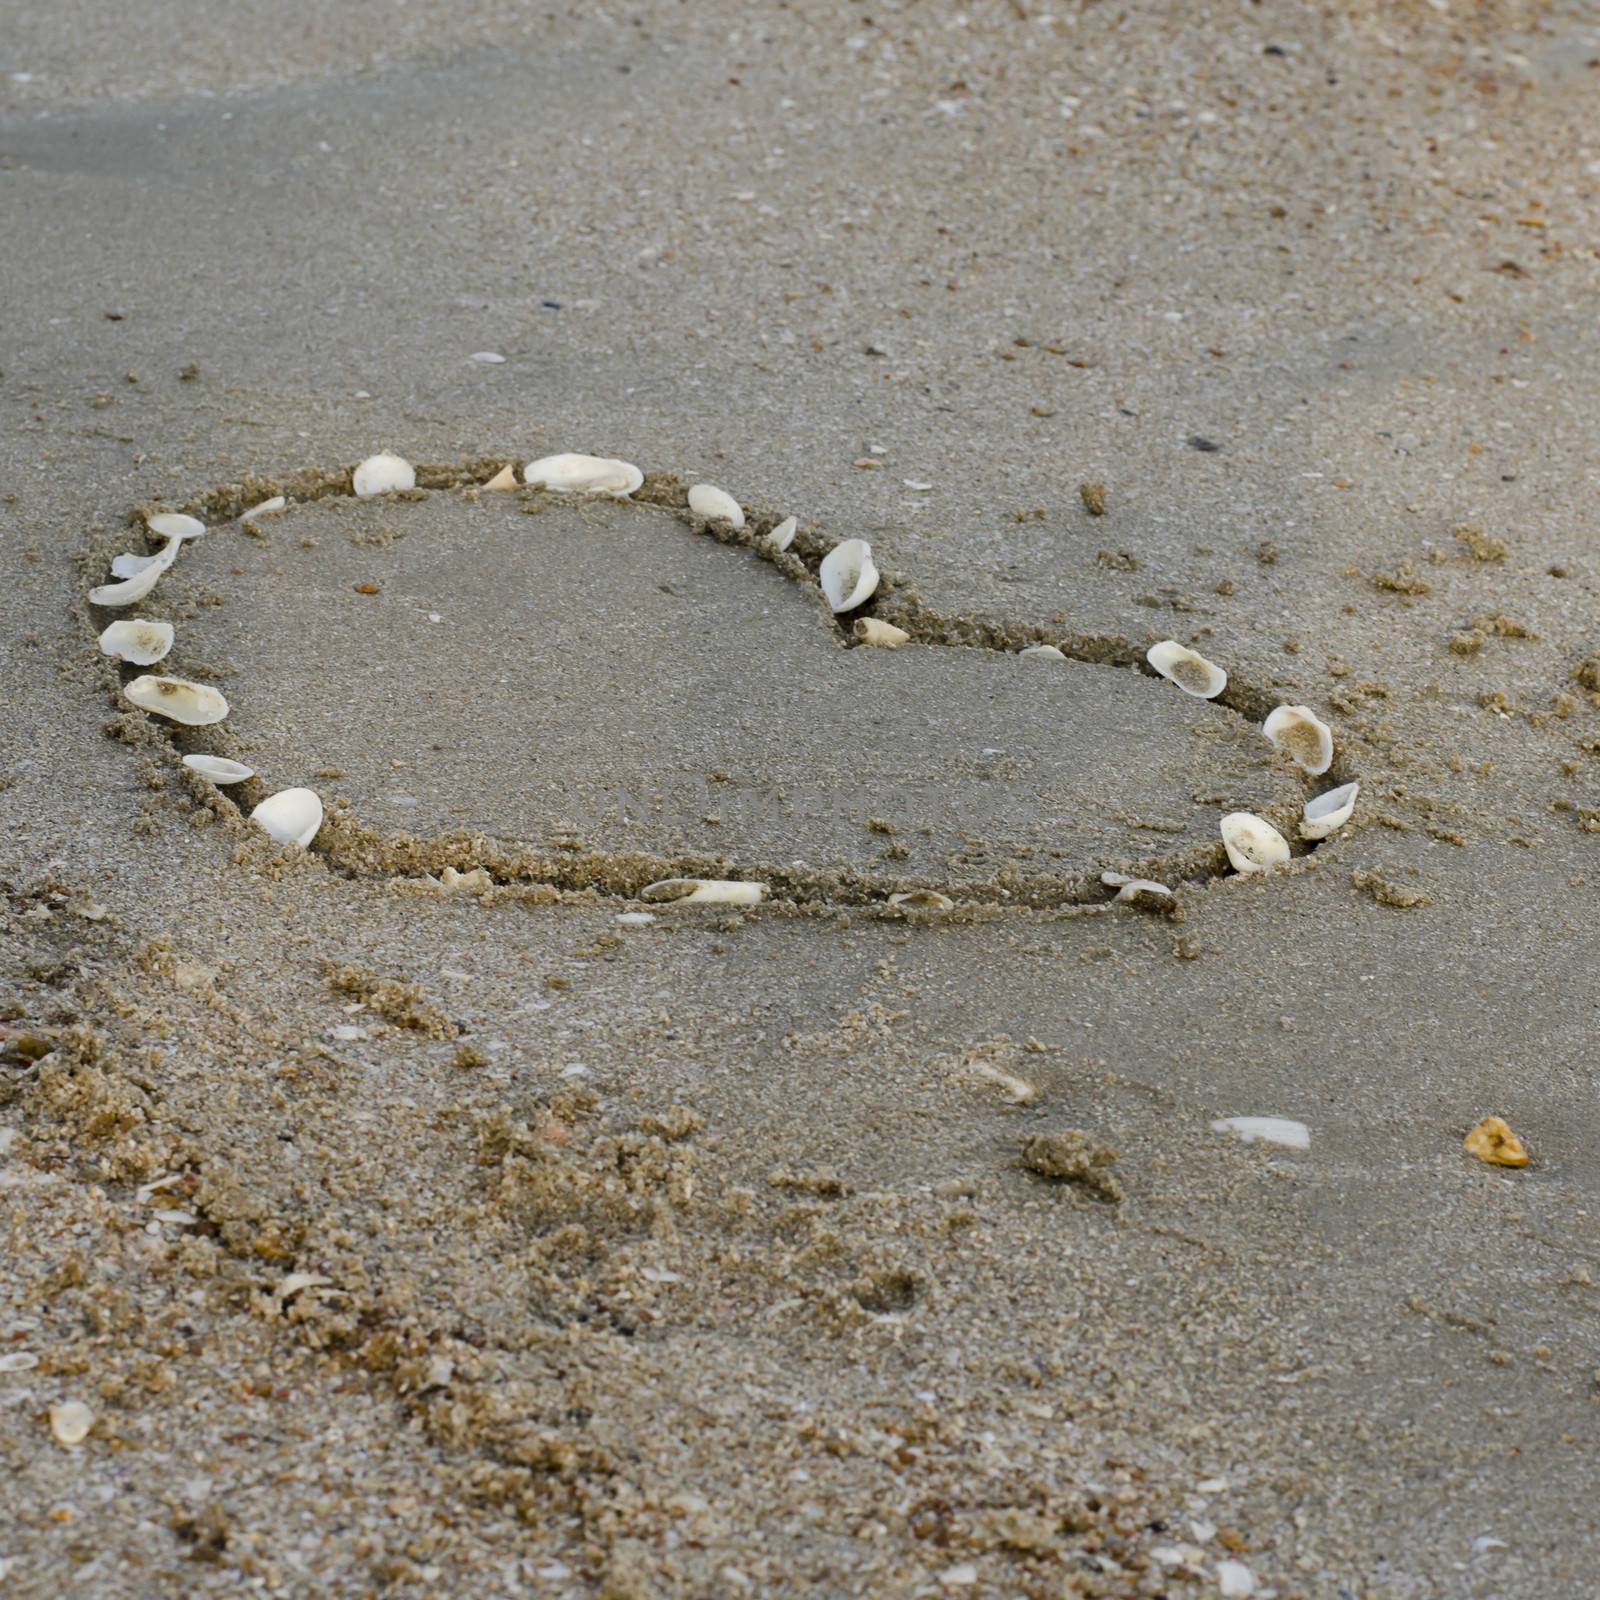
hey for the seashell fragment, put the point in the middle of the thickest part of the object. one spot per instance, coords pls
(923, 900)
(579, 474)
(1252, 843)
(505, 478)
(265, 509)
(1044, 652)
(1493, 1141)
(1328, 813)
(849, 577)
(715, 505)
(872, 630)
(137, 641)
(1302, 736)
(1187, 668)
(174, 525)
(138, 575)
(384, 473)
(291, 816)
(782, 536)
(1270, 1130)
(219, 769)
(704, 891)
(1144, 893)
(477, 881)
(196, 705)
(70, 1421)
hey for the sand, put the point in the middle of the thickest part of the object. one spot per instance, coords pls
(412, 1242)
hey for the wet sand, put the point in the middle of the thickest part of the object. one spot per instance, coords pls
(412, 1242)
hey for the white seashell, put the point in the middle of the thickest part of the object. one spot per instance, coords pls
(477, 881)
(384, 473)
(219, 769)
(1190, 670)
(782, 536)
(70, 1421)
(923, 900)
(295, 1282)
(488, 358)
(704, 891)
(871, 630)
(138, 575)
(1270, 1130)
(196, 705)
(1252, 843)
(1329, 812)
(579, 474)
(505, 478)
(1302, 736)
(174, 525)
(135, 640)
(1043, 652)
(292, 816)
(1132, 890)
(18, 1361)
(715, 505)
(266, 508)
(634, 919)
(849, 577)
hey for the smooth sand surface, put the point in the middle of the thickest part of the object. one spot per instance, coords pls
(411, 1242)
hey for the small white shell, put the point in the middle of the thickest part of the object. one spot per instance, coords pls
(384, 473)
(70, 1421)
(1270, 1130)
(1044, 652)
(138, 575)
(135, 640)
(292, 816)
(1252, 843)
(1302, 736)
(219, 769)
(1133, 890)
(477, 881)
(266, 508)
(923, 900)
(715, 505)
(1187, 668)
(196, 705)
(505, 478)
(849, 576)
(174, 525)
(579, 474)
(872, 630)
(1329, 812)
(782, 536)
(704, 891)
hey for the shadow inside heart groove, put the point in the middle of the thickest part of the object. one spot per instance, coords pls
(599, 672)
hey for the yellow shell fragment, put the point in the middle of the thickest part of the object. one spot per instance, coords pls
(1493, 1141)
(505, 478)
(872, 630)
(704, 891)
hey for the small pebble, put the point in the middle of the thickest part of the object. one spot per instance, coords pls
(1234, 1578)
(488, 358)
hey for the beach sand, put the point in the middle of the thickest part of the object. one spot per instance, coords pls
(417, 1242)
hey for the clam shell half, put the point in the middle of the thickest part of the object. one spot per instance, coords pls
(1302, 736)
(219, 769)
(1187, 668)
(849, 576)
(196, 705)
(704, 891)
(579, 474)
(1329, 812)
(1252, 843)
(384, 473)
(292, 816)
(137, 641)
(715, 505)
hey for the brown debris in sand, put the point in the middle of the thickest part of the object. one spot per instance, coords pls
(400, 1003)
(1071, 1156)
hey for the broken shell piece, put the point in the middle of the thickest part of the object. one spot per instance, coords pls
(1047, 652)
(70, 1421)
(704, 891)
(1329, 812)
(138, 574)
(291, 816)
(174, 525)
(297, 1281)
(505, 478)
(384, 473)
(872, 630)
(1145, 894)
(849, 577)
(1302, 736)
(1493, 1141)
(196, 705)
(1252, 843)
(265, 509)
(1269, 1130)
(923, 900)
(219, 769)
(477, 881)
(782, 536)
(1187, 668)
(137, 641)
(715, 505)
(579, 474)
